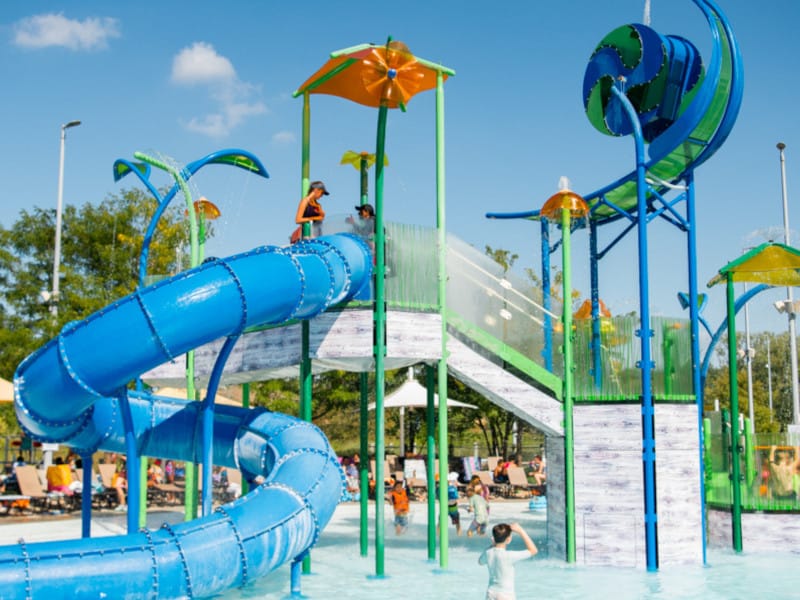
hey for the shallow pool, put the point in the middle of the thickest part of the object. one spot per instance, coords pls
(339, 571)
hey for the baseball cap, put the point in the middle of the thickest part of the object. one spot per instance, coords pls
(366, 207)
(318, 185)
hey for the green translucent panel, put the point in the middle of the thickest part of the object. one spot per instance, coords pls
(756, 491)
(620, 352)
(502, 313)
(411, 278)
(505, 307)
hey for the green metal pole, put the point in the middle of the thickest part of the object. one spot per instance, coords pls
(190, 472)
(246, 405)
(143, 493)
(736, 515)
(442, 299)
(189, 468)
(305, 360)
(363, 465)
(430, 427)
(305, 158)
(569, 457)
(667, 344)
(364, 180)
(379, 350)
(749, 454)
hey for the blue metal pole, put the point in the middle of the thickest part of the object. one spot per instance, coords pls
(207, 419)
(694, 320)
(86, 496)
(597, 366)
(645, 333)
(294, 576)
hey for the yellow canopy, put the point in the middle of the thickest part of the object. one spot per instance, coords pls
(770, 263)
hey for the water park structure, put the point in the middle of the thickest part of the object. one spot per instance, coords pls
(327, 303)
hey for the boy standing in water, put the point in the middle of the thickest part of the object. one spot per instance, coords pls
(399, 499)
(500, 561)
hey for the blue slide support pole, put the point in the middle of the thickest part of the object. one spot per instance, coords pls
(547, 351)
(645, 333)
(86, 496)
(207, 412)
(295, 577)
(694, 320)
(597, 365)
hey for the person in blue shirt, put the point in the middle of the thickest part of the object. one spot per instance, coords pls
(452, 501)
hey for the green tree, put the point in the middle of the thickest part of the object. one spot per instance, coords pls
(99, 264)
(717, 387)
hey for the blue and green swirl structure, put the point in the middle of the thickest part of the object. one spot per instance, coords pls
(686, 112)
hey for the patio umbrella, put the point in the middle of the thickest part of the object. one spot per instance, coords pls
(413, 395)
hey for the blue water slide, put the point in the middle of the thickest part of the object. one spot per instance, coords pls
(70, 391)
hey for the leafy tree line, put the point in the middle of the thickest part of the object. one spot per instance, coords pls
(779, 373)
(100, 247)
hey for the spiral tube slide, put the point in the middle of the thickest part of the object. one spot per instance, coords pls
(68, 391)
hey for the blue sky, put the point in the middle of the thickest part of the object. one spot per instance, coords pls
(186, 79)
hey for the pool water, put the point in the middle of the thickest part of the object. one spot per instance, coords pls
(339, 571)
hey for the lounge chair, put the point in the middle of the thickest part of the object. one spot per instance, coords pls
(30, 486)
(488, 481)
(491, 463)
(108, 497)
(518, 482)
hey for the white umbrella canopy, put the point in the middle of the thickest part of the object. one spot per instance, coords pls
(6, 390)
(412, 395)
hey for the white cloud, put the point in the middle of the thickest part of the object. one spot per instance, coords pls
(201, 64)
(43, 31)
(284, 137)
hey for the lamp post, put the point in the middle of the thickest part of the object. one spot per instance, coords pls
(57, 251)
(769, 379)
(789, 296)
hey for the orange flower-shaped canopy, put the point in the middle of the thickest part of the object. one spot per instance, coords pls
(564, 199)
(372, 75)
(207, 208)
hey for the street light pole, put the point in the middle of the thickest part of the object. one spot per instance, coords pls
(57, 251)
(789, 296)
(769, 379)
